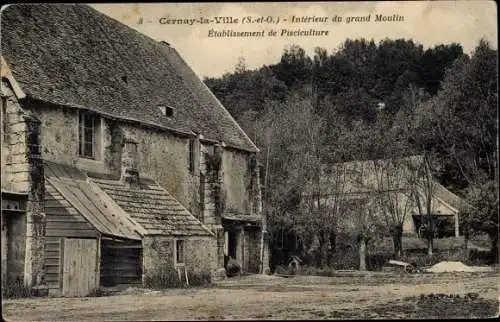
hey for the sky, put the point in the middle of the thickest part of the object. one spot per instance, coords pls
(426, 22)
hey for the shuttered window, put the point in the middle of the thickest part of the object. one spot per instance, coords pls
(89, 135)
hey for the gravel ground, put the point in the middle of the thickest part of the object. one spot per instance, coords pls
(347, 296)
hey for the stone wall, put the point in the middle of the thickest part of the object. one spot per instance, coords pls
(15, 166)
(163, 156)
(237, 181)
(158, 254)
(201, 254)
(23, 172)
(252, 256)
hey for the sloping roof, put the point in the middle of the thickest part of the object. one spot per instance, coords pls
(153, 208)
(118, 210)
(364, 177)
(449, 197)
(76, 56)
(71, 184)
(242, 217)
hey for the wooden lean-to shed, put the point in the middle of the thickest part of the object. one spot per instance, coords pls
(80, 226)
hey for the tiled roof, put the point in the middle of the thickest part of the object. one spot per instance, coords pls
(75, 56)
(153, 208)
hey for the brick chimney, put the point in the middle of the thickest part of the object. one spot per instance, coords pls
(129, 173)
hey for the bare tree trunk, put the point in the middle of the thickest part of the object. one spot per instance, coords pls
(397, 239)
(362, 254)
(429, 246)
(324, 248)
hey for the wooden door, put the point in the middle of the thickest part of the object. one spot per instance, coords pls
(80, 270)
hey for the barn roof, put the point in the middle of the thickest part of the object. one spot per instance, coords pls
(73, 55)
(369, 176)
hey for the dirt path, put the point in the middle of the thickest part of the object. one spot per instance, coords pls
(255, 297)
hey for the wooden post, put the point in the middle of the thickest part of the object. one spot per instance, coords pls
(98, 264)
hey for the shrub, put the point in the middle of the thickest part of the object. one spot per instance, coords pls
(168, 277)
(232, 267)
(375, 262)
(201, 278)
(283, 270)
(480, 257)
(319, 271)
(16, 289)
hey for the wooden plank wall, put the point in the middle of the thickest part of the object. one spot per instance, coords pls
(121, 262)
(62, 221)
(79, 267)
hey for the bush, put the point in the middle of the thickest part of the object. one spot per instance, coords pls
(316, 271)
(233, 268)
(480, 257)
(375, 262)
(168, 277)
(201, 278)
(283, 270)
(16, 289)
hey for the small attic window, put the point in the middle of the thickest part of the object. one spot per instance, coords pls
(167, 110)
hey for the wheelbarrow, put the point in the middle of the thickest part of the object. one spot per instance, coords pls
(409, 268)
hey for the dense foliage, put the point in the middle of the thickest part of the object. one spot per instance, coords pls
(369, 101)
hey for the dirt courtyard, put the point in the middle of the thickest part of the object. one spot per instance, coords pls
(350, 296)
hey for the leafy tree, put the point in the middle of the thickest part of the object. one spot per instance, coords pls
(434, 62)
(461, 124)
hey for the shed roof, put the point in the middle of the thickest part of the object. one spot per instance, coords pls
(152, 207)
(72, 185)
(75, 56)
(118, 210)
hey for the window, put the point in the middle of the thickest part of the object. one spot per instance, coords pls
(166, 110)
(89, 135)
(191, 156)
(179, 251)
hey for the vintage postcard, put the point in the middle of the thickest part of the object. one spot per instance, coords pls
(266, 160)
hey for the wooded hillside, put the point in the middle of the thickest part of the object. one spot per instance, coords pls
(367, 100)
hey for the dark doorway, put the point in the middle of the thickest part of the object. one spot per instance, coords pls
(121, 262)
(232, 244)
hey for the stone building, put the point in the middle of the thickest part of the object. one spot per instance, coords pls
(122, 151)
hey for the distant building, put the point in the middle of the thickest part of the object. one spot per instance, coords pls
(128, 162)
(396, 180)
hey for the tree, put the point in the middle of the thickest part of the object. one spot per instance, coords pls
(392, 178)
(434, 62)
(461, 124)
(423, 186)
(324, 207)
(364, 224)
(241, 65)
